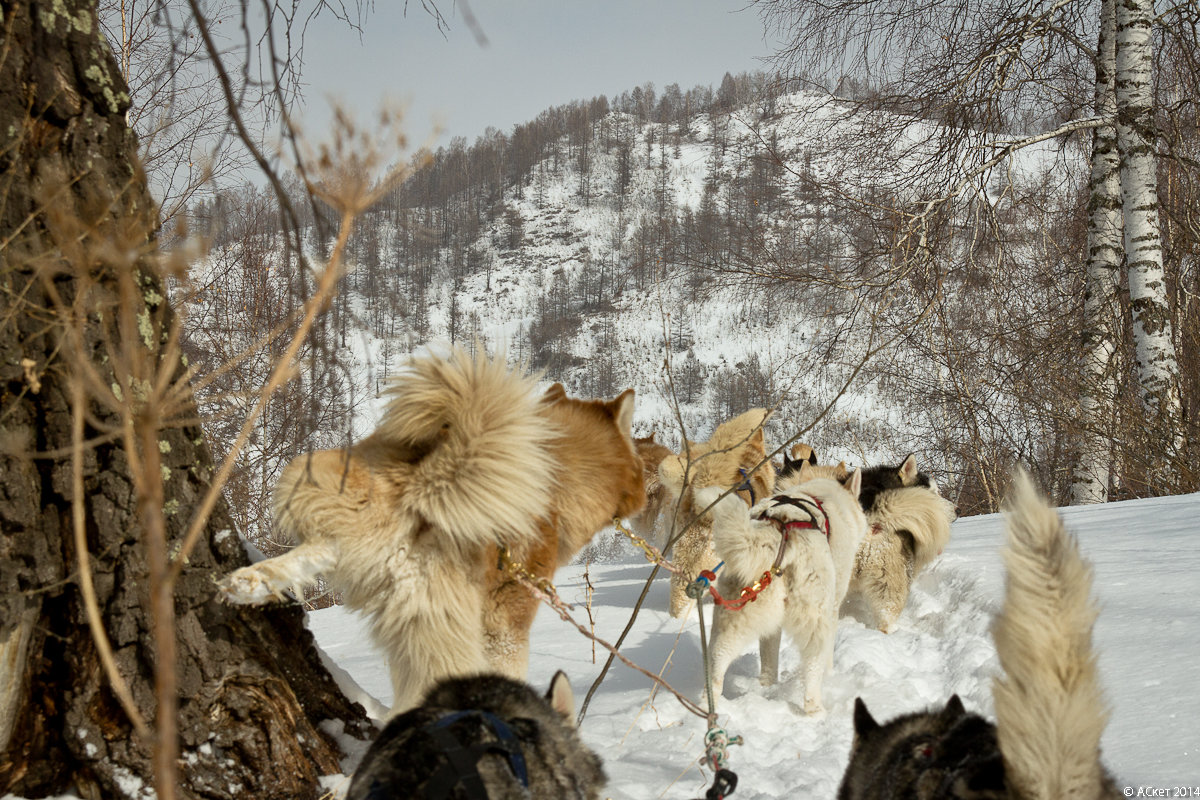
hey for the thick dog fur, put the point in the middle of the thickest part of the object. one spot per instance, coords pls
(909, 527)
(805, 596)
(646, 522)
(1050, 709)
(937, 754)
(1049, 706)
(598, 476)
(408, 523)
(735, 448)
(413, 755)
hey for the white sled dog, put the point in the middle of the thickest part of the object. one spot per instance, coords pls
(807, 536)
(1050, 710)
(909, 526)
(411, 522)
(733, 456)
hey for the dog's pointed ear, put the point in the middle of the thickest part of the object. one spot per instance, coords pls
(841, 468)
(954, 708)
(854, 483)
(756, 439)
(864, 723)
(908, 470)
(622, 411)
(555, 393)
(561, 698)
(812, 456)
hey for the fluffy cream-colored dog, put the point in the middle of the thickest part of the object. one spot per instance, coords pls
(409, 523)
(909, 527)
(726, 460)
(807, 536)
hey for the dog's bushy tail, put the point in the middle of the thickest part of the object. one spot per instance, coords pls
(484, 471)
(746, 548)
(1050, 710)
(925, 514)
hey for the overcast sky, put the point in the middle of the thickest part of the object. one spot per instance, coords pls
(539, 53)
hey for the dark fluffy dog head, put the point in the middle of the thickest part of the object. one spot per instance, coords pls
(942, 753)
(488, 728)
(876, 480)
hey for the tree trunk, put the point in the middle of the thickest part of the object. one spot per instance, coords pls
(1158, 369)
(251, 692)
(1105, 252)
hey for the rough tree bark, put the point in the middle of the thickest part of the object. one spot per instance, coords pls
(252, 692)
(1105, 254)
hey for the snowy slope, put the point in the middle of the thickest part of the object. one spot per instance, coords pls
(1148, 638)
(804, 356)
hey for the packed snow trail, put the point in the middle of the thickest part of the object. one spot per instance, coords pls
(1148, 638)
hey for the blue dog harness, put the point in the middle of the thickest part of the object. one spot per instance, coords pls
(460, 763)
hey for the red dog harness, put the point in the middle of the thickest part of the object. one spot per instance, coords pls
(750, 593)
(807, 524)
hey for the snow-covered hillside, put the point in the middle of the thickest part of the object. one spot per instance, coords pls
(628, 240)
(1148, 638)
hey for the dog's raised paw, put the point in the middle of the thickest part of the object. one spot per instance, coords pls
(248, 586)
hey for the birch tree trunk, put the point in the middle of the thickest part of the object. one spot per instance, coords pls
(1090, 480)
(113, 680)
(1158, 369)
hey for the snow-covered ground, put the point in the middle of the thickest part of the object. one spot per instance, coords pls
(1147, 578)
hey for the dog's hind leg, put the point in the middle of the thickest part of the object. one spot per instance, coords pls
(680, 602)
(726, 645)
(510, 607)
(890, 606)
(886, 597)
(817, 651)
(692, 553)
(885, 581)
(768, 655)
(271, 578)
(733, 631)
(507, 618)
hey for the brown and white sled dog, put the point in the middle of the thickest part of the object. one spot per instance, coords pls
(808, 534)
(729, 458)
(909, 526)
(1050, 710)
(408, 524)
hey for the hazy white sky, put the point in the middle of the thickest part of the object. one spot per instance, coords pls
(539, 53)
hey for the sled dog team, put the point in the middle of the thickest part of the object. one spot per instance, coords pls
(472, 468)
